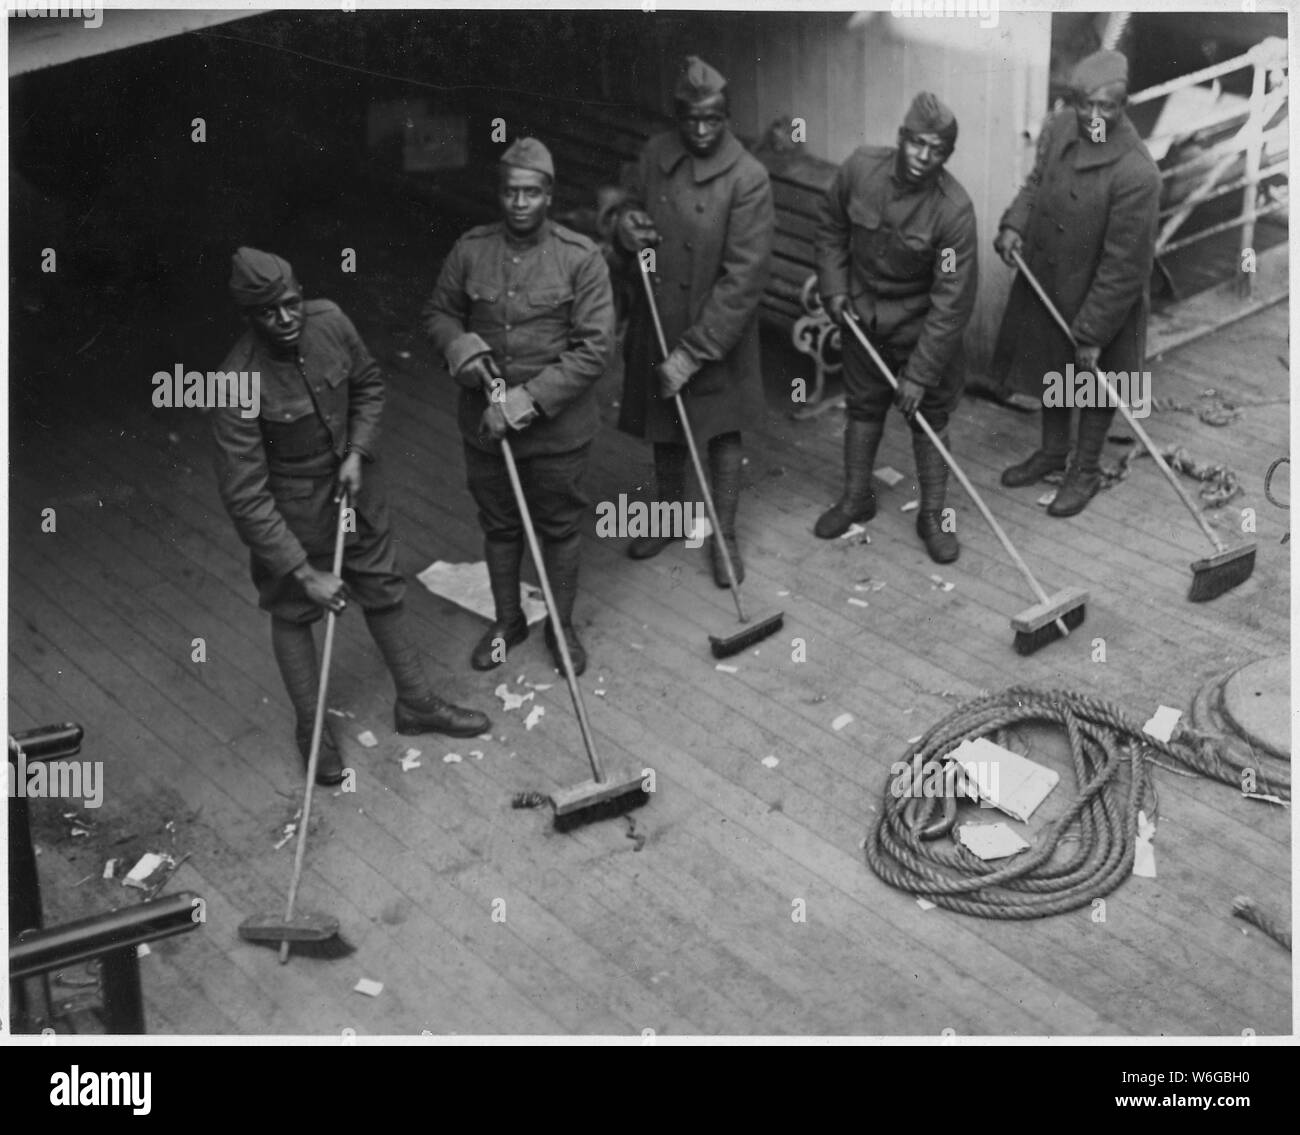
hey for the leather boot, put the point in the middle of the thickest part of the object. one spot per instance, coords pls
(725, 457)
(417, 709)
(563, 558)
(509, 628)
(861, 442)
(1051, 458)
(670, 487)
(1083, 478)
(295, 654)
(932, 475)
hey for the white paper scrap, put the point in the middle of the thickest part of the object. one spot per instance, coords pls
(541, 687)
(701, 529)
(451, 759)
(858, 602)
(410, 760)
(910, 506)
(770, 761)
(991, 841)
(534, 716)
(1161, 725)
(1046, 499)
(722, 666)
(368, 739)
(368, 987)
(599, 693)
(1144, 855)
(109, 868)
(142, 950)
(854, 530)
(841, 721)
(147, 864)
(1005, 780)
(467, 586)
(889, 475)
(510, 699)
(477, 754)
(925, 904)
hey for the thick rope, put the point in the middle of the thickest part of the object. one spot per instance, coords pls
(1244, 908)
(1111, 758)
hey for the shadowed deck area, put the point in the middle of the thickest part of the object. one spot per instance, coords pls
(680, 922)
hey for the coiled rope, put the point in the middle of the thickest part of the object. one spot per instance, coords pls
(905, 849)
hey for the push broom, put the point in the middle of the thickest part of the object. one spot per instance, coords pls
(600, 797)
(317, 935)
(726, 645)
(1053, 616)
(1215, 574)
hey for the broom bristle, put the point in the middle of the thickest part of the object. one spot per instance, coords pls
(734, 644)
(602, 810)
(1026, 642)
(1210, 580)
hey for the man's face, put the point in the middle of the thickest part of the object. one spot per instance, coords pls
(702, 124)
(525, 197)
(1105, 104)
(920, 156)
(280, 322)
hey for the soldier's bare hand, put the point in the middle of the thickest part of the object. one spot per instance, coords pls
(636, 230)
(350, 475)
(323, 588)
(477, 374)
(837, 307)
(1007, 245)
(908, 398)
(1086, 358)
(493, 424)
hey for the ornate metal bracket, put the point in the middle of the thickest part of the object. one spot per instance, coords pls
(814, 334)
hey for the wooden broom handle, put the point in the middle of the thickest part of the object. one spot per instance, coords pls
(852, 321)
(695, 453)
(317, 729)
(1136, 427)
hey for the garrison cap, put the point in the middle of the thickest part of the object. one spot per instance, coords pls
(529, 153)
(697, 80)
(927, 115)
(1099, 69)
(258, 277)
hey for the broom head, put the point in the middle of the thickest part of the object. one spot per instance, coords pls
(302, 928)
(1036, 626)
(752, 633)
(1223, 571)
(597, 800)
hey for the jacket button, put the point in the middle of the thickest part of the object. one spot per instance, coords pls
(688, 246)
(663, 197)
(510, 292)
(507, 326)
(699, 208)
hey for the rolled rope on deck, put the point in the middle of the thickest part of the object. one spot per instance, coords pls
(905, 851)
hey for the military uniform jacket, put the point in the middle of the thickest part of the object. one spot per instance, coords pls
(545, 309)
(339, 380)
(906, 257)
(1088, 217)
(716, 218)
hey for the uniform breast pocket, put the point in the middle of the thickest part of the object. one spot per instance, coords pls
(336, 375)
(484, 303)
(550, 306)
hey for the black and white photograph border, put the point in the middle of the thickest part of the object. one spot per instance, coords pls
(792, 542)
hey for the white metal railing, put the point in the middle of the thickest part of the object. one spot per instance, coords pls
(1259, 143)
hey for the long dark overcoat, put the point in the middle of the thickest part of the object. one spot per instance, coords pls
(1088, 217)
(716, 218)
